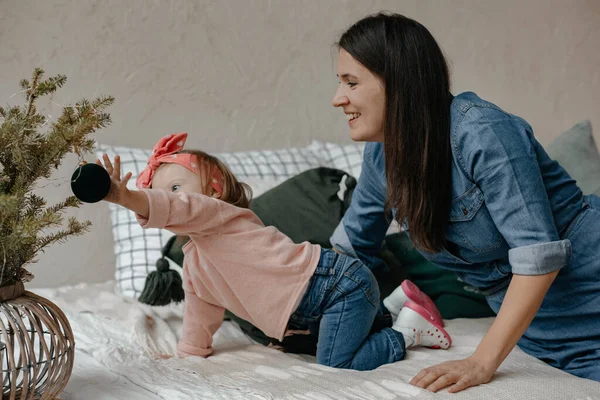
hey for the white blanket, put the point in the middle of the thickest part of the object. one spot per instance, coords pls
(127, 340)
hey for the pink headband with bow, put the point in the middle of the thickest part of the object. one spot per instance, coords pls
(167, 151)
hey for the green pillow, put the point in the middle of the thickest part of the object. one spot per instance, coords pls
(576, 151)
(306, 207)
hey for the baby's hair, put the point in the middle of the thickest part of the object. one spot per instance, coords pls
(234, 192)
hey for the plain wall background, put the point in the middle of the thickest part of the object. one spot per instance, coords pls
(241, 75)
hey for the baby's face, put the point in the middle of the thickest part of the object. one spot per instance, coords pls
(177, 178)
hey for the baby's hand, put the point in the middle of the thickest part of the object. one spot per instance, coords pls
(118, 194)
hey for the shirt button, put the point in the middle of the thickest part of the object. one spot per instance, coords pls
(465, 211)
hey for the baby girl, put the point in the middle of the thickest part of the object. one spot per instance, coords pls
(234, 262)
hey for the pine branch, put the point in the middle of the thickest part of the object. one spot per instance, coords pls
(32, 92)
(69, 134)
(41, 219)
(27, 155)
(71, 201)
(9, 206)
(18, 142)
(7, 202)
(75, 228)
(51, 84)
(19, 248)
(41, 222)
(34, 205)
(13, 253)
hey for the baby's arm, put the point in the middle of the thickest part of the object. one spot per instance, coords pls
(182, 213)
(200, 322)
(134, 200)
(138, 203)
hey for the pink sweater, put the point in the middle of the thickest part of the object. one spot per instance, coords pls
(232, 262)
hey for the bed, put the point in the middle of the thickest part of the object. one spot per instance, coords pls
(121, 347)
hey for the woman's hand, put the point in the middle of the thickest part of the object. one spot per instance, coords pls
(118, 194)
(455, 375)
(522, 301)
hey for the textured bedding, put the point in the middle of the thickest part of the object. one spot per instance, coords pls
(121, 347)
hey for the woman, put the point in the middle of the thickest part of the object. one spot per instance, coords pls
(478, 195)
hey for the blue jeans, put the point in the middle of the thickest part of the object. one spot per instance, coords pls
(339, 306)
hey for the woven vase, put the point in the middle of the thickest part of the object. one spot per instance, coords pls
(36, 345)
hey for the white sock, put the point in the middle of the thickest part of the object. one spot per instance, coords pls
(409, 339)
(395, 301)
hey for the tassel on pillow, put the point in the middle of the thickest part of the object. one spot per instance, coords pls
(164, 285)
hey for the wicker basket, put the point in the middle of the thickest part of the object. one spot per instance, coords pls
(36, 345)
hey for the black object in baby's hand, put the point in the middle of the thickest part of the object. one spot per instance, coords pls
(90, 183)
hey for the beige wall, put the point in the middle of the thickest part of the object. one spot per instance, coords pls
(261, 74)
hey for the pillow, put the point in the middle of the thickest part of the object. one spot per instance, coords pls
(138, 249)
(576, 151)
(308, 206)
(346, 157)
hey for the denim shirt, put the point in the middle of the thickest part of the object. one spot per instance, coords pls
(510, 206)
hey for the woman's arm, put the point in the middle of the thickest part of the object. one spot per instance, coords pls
(521, 302)
(361, 232)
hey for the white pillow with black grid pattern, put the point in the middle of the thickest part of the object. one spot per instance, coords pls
(137, 249)
(345, 157)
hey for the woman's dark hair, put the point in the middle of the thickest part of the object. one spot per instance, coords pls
(404, 54)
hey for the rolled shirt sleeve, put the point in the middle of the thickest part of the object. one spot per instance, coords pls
(540, 259)
(499, 152)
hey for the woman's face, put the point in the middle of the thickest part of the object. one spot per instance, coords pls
(361, 95)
